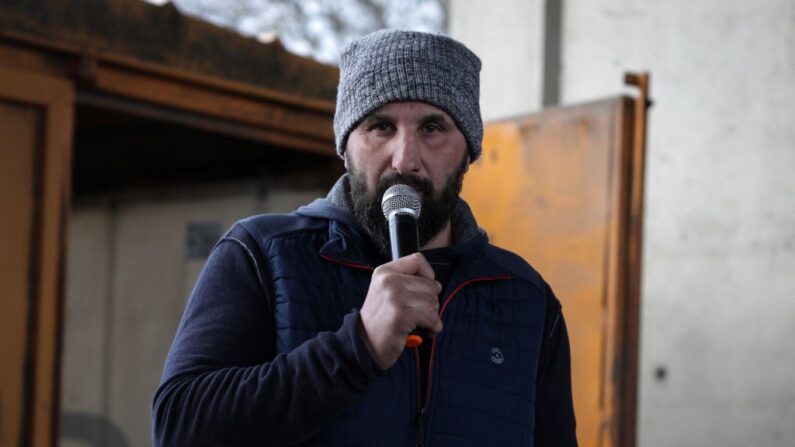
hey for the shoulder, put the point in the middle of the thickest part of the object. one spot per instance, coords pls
(523, 271)
(268, 226)
(274, 225)
(257, 234)
(312, 218)
(516, 266)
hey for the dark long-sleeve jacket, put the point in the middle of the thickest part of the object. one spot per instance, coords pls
(268, 350)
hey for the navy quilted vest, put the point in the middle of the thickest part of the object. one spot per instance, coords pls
(484, 363)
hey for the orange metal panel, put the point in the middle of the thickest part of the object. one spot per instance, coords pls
(553, 187)
(36, 112)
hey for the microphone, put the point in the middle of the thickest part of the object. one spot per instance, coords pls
(401, 205)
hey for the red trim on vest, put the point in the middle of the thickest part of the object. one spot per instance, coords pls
(348, 264)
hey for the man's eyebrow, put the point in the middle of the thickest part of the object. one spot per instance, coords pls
(377, 117)
(435, 117)
(438, 117)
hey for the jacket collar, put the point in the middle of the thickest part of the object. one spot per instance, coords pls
(349, 243)
(465, 226)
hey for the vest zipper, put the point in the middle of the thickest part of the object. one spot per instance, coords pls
(421, 427)
(420, 404)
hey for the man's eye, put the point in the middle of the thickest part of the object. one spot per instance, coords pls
(381, 127)
(432, 127)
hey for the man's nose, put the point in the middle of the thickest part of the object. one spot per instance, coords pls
(405, 153)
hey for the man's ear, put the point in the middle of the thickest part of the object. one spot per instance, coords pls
(345, 159)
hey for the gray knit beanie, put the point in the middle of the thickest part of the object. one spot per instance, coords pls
(391, 66)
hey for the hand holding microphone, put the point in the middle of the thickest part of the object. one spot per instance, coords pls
(402, 206)
(403, 294)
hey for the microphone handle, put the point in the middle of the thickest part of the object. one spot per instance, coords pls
(404, 240)
(403, 236)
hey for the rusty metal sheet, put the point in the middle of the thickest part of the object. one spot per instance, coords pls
(553, 187)
(133, 57)
(186, 98)
(162, 35)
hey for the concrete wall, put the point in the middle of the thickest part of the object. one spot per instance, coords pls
(507, 36)
(129, 277)
(718, 311)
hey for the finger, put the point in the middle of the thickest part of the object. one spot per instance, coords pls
(404, 284)
(417, 312)
(414, 264)
(418, 285)
(430, 322)
(421, 307)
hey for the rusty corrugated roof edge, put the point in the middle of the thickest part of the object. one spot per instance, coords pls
(161, 35)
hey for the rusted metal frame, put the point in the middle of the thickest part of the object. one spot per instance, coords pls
(63, 126)
(228, 106)
(32, 338)
(199, 121)
(617, 359)
(51, 181)
(623, 274)
(203, 81)
(614, 293)
(56, 198)
(128, 81)
(631, 311)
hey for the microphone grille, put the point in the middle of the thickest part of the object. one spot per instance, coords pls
(402, 199)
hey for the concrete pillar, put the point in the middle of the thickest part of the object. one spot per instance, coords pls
(507, 35)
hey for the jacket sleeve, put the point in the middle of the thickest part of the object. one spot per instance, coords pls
(222, 383)
(555, 424)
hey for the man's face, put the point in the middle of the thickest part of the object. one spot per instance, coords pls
(411, 143)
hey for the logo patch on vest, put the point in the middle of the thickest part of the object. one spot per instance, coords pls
(496, 356)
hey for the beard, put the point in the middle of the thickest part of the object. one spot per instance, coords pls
(437, 206)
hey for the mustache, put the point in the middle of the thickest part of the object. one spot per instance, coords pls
(419, 184)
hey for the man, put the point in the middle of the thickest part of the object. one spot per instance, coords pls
(295, 332)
